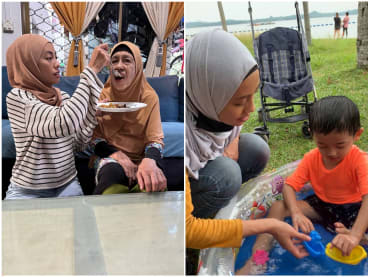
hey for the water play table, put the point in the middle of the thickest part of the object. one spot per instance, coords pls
(126, 234)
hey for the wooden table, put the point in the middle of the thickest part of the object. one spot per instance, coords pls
(125, 234)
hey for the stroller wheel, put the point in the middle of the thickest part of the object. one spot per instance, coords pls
(265, 137)
(262, 132)
(305, 130)
(260, 115)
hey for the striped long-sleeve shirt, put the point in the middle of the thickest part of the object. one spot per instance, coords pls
(46, 136)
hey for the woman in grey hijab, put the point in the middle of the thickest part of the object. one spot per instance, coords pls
(221, 78)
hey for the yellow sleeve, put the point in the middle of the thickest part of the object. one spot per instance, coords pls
(206, 233)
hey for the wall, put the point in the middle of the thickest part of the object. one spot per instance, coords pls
(11, 11)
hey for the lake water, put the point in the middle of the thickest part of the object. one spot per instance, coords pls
(321, 27)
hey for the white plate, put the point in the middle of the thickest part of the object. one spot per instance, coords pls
(130, 107)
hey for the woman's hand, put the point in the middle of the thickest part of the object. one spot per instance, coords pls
(150, 177)
(302, 222)
(99, 113)
(99, 58)
(129, 167)
(102, 114)
(345, 242)
(290, 239)
(232, 150)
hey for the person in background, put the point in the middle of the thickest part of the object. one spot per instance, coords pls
(345, 25)
(337, 21)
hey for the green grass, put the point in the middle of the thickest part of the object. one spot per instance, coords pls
(334, 72)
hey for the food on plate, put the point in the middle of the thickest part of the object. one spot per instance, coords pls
(113, 105)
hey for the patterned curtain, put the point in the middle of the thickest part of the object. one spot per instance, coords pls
(76, 16)
(176, 12)
(157, 13)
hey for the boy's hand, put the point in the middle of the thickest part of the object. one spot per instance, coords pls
(302, 222)
(345, 242)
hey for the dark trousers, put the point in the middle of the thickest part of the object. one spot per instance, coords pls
(113, 173)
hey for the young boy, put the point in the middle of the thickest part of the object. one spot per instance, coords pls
(338, 173)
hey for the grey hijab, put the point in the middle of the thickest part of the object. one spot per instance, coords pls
(216, 64)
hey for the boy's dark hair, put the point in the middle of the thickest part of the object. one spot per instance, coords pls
(334, 113)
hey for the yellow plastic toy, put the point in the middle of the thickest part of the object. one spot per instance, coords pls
(357, 254)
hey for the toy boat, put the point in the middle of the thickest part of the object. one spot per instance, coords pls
(314, 246)
(356, 255)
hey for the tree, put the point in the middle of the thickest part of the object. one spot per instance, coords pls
(307, 23)
(222, 15)
(362, 40)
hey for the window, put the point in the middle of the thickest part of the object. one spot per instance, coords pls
(44, 21)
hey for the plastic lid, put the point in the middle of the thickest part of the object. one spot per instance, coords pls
(356, 256)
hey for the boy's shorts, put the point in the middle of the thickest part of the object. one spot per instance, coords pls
(331, 213)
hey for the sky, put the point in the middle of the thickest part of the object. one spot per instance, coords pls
(208, 11)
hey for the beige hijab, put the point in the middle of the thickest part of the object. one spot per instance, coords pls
(22, 58)
(131, 131)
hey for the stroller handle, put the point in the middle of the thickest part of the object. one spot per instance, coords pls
(253, 36)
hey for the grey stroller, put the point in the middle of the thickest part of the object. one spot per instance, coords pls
(285, 75)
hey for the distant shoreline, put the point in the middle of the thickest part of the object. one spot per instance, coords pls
(263, 21)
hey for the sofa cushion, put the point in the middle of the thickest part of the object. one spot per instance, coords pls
(181, 100)
(70, 83)
(8, 145)
(174, 139)
(167, 89)
(173, 132)
(5, 89)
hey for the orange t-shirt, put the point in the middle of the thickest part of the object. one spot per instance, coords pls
(346, 183)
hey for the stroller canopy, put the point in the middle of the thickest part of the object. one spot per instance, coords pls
(283, 64)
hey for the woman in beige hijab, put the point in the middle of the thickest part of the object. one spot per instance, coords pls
(46, 123)
(129, 145)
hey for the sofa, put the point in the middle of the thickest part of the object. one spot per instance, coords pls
(170, 91)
